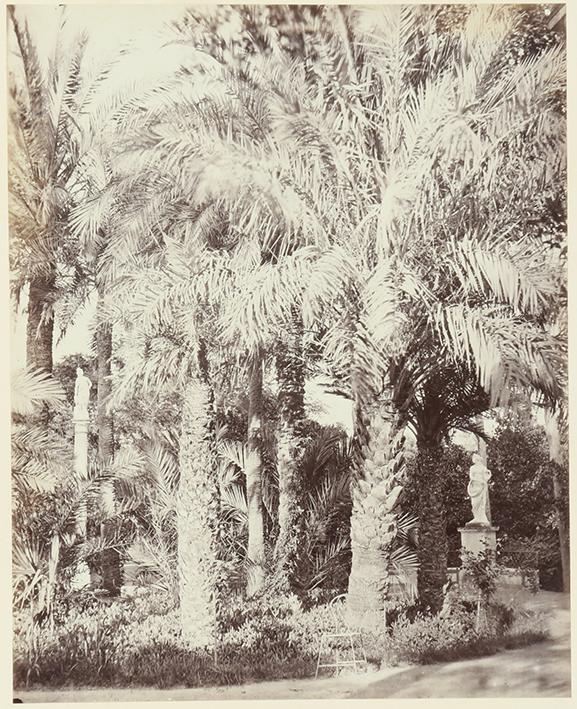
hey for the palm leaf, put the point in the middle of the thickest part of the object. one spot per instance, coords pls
(31, 387)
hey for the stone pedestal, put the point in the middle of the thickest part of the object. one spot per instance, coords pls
(476, 537)
(82, 576)
(81, 447)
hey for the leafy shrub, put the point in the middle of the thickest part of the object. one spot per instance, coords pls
(425, 637)
(394, 612)
(138, 642)
(482, 572)
(240, 610)
(123, 643)
(501, 616)
(453, 636)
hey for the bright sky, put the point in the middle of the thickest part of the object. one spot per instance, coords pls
(108, 26)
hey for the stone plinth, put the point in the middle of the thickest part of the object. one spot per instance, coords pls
(81, 447)
(81, 578)
(476, 537)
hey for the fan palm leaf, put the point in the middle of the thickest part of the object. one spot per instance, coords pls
(30, 387)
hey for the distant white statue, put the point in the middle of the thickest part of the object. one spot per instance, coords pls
(478, 490)
(81, 394)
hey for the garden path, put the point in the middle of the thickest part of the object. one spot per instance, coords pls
(541, 670)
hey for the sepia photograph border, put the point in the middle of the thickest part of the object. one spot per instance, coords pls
(6, 692)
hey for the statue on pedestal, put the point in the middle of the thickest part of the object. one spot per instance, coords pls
(81, 395)
(478, 490)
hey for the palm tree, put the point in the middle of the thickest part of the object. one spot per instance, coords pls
(255, 508)
(90, 220)
(424, 143)
(59, 124)
(44, 152)
(454, 330)
(163, 307)
(374, 527)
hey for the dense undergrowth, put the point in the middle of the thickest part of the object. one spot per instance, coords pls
(137, 642)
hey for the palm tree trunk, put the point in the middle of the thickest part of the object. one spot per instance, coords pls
(361, 439)
(366, 592)
(373, 527)
(254, 480)
(110, 557)
(560, 493)
(290, 443)
(40, 324)
(561, 497)
(198, 514)
(432, 574)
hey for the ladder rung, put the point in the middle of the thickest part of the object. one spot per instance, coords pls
(341, 664)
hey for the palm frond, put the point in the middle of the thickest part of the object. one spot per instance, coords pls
(31, 387)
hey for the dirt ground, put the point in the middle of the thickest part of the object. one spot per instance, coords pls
(541, 670)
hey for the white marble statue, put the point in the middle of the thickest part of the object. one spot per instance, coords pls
(81, 394)
(478, 490)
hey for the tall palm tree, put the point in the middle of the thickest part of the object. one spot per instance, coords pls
(90, 220)
(234, 119)
(168, 322)
(57, 167)
(435, 154)
(45, 148)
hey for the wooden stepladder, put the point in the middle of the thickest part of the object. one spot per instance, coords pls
(353, 647)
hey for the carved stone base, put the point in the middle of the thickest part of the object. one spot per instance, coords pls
(81, 447)
(475, 537)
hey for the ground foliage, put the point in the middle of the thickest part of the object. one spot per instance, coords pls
(135, 642)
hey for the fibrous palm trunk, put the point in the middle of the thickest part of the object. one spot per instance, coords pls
(290, 443)
(432, 575)
(560, 494)
(361, 439)
(373, 527)
(110, 557)
(561, 498)
(198, 514)
(40, 324)
(254, 480)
